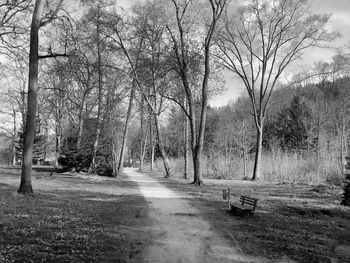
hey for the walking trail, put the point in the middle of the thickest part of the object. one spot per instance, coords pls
(182, 235)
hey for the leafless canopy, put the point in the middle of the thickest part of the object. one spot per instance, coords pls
(264, 38)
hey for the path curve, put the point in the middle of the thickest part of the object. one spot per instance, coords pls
(182, 235)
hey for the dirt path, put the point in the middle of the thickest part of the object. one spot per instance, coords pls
(182, 235)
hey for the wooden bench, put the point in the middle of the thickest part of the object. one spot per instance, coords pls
(247, 207)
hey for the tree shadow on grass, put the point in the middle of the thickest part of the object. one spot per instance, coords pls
(73, 226)
(276, 232)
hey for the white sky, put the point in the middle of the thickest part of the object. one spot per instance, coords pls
(340, 21)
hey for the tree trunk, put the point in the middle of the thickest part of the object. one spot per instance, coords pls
(200, 140)
(114, 159)
(258, 152)
(152, 144)
(318, 140)
(142, 135)
(244, 150)
(244, 164)
(80, 124)
(26, 175)
(244, 159)
(58, 130)
(126, 127)
(13, 161)
(96, 141)
(186, 146)
(144, 139)
(342, 133)
(161, 148)
(99, 109)
(192, 121)
(197, 175)
(58, 135)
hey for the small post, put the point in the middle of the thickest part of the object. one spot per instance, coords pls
(228, 198)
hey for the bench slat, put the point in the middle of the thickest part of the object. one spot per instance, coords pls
(248, 198)
(249, 201)
(247, 206)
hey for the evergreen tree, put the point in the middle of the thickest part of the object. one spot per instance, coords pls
(291, 126)
(298, 116)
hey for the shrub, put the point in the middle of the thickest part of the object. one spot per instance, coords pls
(104, 169)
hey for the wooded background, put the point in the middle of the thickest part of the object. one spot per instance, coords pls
(116, 87)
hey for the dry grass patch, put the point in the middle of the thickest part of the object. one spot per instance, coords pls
(293, 221)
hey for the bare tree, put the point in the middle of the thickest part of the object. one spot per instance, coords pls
(130, 108)
(14, 99)
(258, 44)
(82, 73)
(13, 25)
(148, 74)
(100, 87)
(181, 42)
(38, 20)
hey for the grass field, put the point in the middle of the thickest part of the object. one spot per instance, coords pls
(81, 218)
(305, 223)
(70, 219)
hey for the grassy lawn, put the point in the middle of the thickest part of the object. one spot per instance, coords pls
(296, 222)
(87, 219)
(71, 220)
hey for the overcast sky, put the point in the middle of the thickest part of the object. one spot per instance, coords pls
(340, 21)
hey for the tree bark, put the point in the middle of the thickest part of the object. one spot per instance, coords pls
(80, 124)
(200, 141)
(197, 175)
(161, 148)
(244, 150)
(99, 109)
(142, 135)
(26, 175)
(185, 144)
(258, 152)
(58, 128)
(152, 144)
(13, 161)
(126, 127)
(58, 134)
(342, 134)
(114, 159)
(143, 152)
(318, 139)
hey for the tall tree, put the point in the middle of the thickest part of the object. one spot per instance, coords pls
(38, 20)
(148, 74)
(26, 182)
(260, 41)
(130, 107)
(100, 87)
(126, 127)
(182, 44)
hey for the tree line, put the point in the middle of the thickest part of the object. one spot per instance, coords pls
(95, 72)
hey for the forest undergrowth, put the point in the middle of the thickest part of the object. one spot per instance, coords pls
(276, 167)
